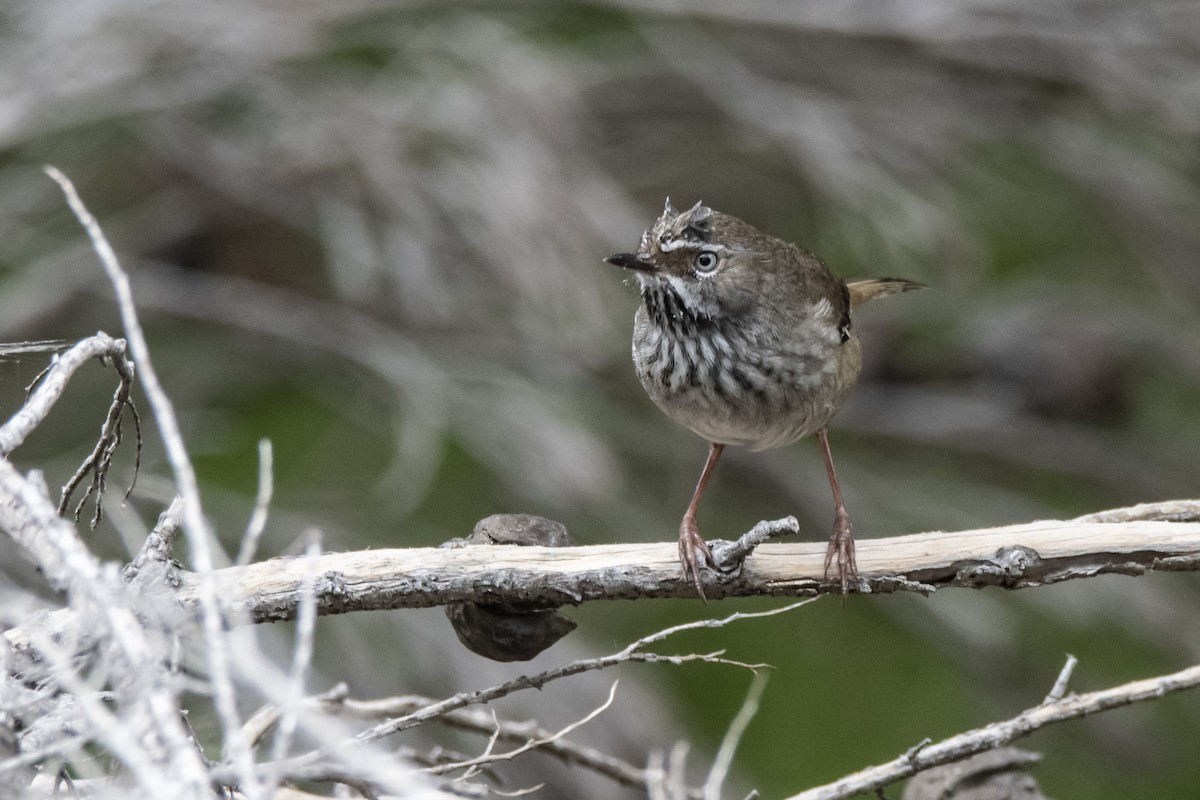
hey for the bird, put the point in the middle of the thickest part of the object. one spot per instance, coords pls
(746, 340)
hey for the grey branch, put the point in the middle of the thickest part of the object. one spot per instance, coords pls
(473, 720)
(1012, 557)
(1001, 733)
(300, 766)
(49, 388)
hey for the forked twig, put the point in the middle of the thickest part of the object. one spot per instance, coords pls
(98, 462)
(48, 387)
(489, 757)
(301, 765)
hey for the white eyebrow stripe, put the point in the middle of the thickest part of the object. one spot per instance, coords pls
(691, 244)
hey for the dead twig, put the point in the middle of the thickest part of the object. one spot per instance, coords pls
(98, 462)
(634, 652)
(1001, 733)
(490, 758)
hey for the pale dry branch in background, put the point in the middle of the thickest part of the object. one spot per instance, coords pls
(195, 525)
(714, 783)
(103, 611)
(262, 502)
(126, 629)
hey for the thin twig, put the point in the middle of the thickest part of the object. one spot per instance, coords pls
(729, 743)
(1001, 733)
(473, 720)
(538, 681)
(1059, 689)
(630, 654)
(262, 503)
(156, 550)
(493, 738)
(668, 777)
(306, 622)
(10, 349)
(489, 758)
(50, 388)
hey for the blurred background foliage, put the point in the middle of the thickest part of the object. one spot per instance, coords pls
(371, 232)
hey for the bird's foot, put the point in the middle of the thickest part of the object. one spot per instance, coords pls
(841, 546)
(693, 548)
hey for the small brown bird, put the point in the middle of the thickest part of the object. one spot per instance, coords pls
(745, 339)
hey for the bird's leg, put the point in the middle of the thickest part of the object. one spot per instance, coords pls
(841, 542)
(691, 543)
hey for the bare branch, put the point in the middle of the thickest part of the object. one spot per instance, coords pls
(1012, 557)
(53, 382)
(1016, 556)
(489, 757)
(481, 722)
(634, 652)
(474, 720)
(9, 350)
(1001, 733)
(301, 765)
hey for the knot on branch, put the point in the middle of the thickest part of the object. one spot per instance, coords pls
(728, 556)
(511, 631)
(1006, 568)
(331, 585)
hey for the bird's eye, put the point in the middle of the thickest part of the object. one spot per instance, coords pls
(706, 262)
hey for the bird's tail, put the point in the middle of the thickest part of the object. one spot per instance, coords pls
(868, 289)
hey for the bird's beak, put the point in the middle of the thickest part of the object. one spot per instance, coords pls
(630, 261)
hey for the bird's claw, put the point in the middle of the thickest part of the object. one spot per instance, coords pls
(841, 546)
(692, 548)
